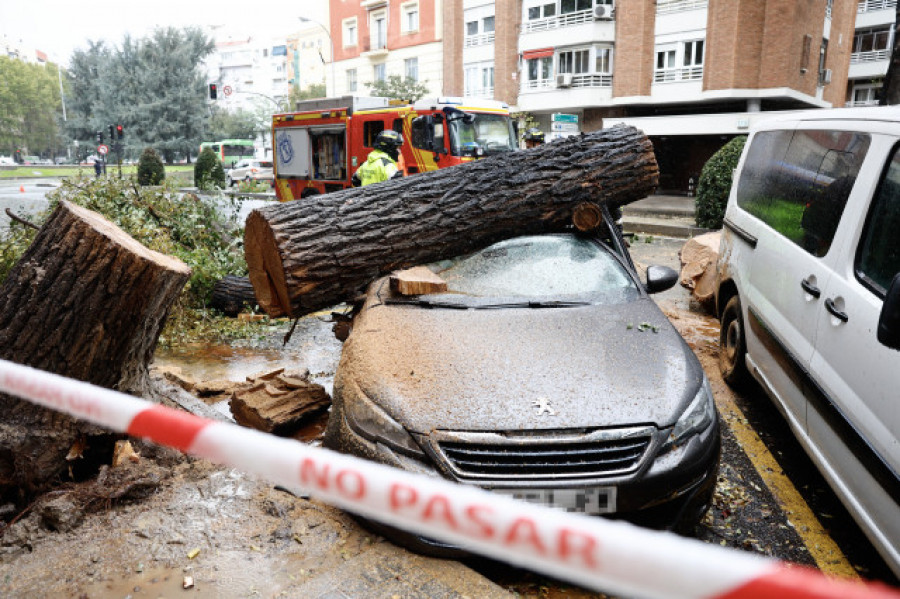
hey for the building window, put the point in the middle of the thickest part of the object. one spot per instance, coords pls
(681, 62)
(378, 28)
(574, 61)
(349, 32)
(351, 80)
(479, 80)
(479, 28)
(603, 61)
(693, 54)
(411, 68)
(542, 11)
(570, 6)
(378, 72)
(872, 44)
(539, 72)
(410, 17)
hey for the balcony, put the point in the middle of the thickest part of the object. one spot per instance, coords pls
(873, 56)
(566, 20)
(680, 74)
(374, 48)
(861, 103)
(664, 7)
(874, 5)
(580, 80)
(482, 39)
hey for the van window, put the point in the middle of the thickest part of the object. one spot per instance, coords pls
(371, 130)
(798, 182)
(878, 258)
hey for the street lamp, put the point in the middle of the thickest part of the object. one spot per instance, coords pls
(331, 41)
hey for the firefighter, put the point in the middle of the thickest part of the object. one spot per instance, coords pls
(381, 163)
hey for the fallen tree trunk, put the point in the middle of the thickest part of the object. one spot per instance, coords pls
(310, 254)
(85, 301)
(232, 294)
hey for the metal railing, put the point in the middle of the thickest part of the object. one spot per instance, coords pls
(858, 103)
(583, 80)
(670, 6)
(566, 20)
(873, 56)
(482, 39)
(479, 92)
(873, 5)
(679, 74)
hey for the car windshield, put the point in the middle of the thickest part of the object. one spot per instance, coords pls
(537, 271)
(492, 133)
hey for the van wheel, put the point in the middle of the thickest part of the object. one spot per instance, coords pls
(733, 345)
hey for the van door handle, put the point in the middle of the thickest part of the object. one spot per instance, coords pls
(810, 288)
(829, 305)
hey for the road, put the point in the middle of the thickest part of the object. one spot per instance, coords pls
(24, 197)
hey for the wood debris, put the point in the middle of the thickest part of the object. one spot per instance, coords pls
(276, 402)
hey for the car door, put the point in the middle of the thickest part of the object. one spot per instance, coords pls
(798, 183)
(854, 421)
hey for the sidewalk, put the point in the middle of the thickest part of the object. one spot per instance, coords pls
(667, 215)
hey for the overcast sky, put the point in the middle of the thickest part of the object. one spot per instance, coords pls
(58, 27)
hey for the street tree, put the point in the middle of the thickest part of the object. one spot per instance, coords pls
(84, 101)
(30, 107)
(234, 124)
(397, 87)
(296, 94)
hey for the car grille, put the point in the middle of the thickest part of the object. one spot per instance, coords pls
(488, 456)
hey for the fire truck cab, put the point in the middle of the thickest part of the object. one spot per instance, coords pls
(319, 147)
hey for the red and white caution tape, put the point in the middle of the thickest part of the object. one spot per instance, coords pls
(614, 557)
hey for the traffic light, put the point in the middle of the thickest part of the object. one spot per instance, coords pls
(213, 91)
(112, 135)
(99, 137)
(120, 131)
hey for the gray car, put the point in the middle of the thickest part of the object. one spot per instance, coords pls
(545, 372)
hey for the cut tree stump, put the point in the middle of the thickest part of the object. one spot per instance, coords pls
(232, 294)
(88, 302)
(314, 253)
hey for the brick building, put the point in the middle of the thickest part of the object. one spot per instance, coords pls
(374, 39)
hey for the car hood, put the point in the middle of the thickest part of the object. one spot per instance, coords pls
(497, 369)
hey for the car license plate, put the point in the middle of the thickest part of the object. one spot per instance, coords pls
(591, 500)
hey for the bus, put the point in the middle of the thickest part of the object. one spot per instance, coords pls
(230, 151)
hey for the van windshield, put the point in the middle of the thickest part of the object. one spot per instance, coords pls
(489, 133)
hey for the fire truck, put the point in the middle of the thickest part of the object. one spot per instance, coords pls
(318, 148)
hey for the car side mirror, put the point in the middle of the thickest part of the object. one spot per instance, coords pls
(889, 321)
(660, 278)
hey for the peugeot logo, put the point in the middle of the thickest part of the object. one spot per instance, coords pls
(542, 405)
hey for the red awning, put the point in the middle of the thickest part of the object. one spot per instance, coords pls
(542, 53)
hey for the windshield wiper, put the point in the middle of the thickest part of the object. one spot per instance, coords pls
(426, 303)
(540, 304)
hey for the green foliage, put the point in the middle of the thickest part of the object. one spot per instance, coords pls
(155, 87)
(208, 171)
(237, 124)
(150, 168)
(314, 90)
(715, 183)
(399, 88)
(29, 106)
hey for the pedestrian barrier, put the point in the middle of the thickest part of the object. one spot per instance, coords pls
(609, 556)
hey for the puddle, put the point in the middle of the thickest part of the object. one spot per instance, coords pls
(226, 363)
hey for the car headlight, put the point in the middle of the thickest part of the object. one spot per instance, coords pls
(698, 416)
(374, 424)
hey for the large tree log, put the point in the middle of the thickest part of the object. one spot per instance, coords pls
(314, 253)
(86, 301)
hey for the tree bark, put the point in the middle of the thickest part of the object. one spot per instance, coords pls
(88, 302)
(310, 254)
(232, 294)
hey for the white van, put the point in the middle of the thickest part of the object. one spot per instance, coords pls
(808, 296)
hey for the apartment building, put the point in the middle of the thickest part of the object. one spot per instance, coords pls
(309, 57)
(249, 71)
(375, 39)
(692, 74)
(871, 52)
